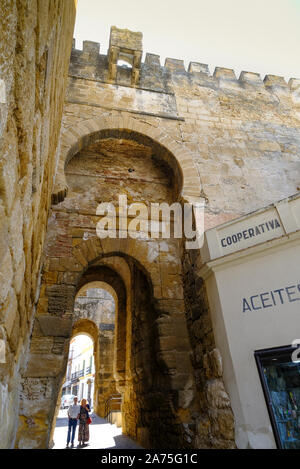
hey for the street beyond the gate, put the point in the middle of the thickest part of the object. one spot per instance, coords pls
(103, 435)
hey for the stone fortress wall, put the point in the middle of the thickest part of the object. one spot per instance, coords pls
(35, 45)
(221, 139)
(231, 142)
(240, 133)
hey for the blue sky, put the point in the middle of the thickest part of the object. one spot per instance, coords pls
(261, 36)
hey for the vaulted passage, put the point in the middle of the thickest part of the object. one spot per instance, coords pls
(112, 166)
(132, 363)
(144, 352)
(94, 314)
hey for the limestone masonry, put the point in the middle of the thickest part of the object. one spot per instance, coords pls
(35, 44)
(154, 133)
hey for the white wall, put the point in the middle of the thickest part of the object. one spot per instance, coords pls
(238, 334)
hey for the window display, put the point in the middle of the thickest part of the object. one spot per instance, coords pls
(280, 378)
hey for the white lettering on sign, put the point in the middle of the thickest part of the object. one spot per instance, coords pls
(271, 298)
(250, 232)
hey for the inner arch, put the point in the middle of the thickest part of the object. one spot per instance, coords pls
(180, 161)
(155, 149)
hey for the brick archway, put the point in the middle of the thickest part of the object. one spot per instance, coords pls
(98, 284)
(80, 327)
(74, 138)
(155, 316)
(145, 253)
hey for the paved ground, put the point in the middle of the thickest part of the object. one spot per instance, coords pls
(102, 434)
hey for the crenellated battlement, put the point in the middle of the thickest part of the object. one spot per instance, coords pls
(89, 63)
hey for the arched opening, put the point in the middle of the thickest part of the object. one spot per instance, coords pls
(130, 368)
(126, 350)
(89, 370)
(116, 162)
(95, 310)
(79, 380)
(187, 179)
(78, 383)
(124, 63)
(149, 360)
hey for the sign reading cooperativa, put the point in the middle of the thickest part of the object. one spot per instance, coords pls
(251, 232)
(256, 228)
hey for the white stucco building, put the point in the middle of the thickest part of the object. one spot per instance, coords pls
(251, 267)
(81, 369)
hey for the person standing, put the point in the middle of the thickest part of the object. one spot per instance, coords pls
(73, 412)
(83, 432)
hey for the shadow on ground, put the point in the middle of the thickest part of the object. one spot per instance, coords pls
(103, 435)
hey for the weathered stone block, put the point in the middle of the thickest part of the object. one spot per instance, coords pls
(195, 67)
(54, 326)
(222, 423)
(212, 362)
(216, 395)
(11, 312)
(42, 365)
(41, 345)
(125, 39)
(6, 278)
(60, 299)
(35, 389)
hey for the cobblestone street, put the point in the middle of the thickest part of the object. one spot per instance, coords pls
(103, 435)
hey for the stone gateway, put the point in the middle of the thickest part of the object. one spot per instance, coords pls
(77, 129)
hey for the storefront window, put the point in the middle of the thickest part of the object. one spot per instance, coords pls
(280, 378)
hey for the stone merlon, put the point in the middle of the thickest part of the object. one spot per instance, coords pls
(127, 45)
